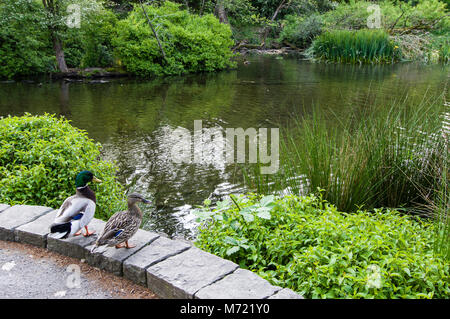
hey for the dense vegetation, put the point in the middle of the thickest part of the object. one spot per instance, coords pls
(35, 36)
(361, 46)
(382, 157)
(190, 43)
(306, 244)
(40, 157)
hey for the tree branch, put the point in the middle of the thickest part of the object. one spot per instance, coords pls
(153, 30)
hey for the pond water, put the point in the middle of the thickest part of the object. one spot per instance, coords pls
(134, 119)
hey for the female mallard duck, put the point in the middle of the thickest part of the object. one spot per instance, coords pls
(77, 211)
(122, 225)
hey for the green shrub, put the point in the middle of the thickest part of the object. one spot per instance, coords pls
(25, 47)
(191, 43)
(353, 15)
(305, 244)
(299, 30)
(40, 157)
(361, 46)
(90, 44)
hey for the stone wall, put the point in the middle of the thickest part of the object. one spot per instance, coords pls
(170, 268)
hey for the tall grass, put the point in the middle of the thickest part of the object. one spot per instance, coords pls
(360, 46)
(440, 207)
(385, 157)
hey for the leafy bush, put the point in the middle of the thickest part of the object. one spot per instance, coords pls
(191, 43)
(305, 244)
(300, 31)
(353, 15)
(361, 46)
(40, 157)
(25, 47)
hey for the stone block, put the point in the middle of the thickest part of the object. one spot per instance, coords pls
(16, 216)
(75, 247)
(112, 258)
(286, 293)
(241, 284)
(182, 275)
(134, 268)
(3, 207)
(35, 232)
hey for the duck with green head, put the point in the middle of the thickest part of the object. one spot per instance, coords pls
(76, 211)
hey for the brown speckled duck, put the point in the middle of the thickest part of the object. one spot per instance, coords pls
(122, 225)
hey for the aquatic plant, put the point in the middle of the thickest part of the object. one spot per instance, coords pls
(361, 46)
(382, 157)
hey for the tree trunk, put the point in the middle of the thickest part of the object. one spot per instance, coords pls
(50, 6)
(220, 12)
(59, 53)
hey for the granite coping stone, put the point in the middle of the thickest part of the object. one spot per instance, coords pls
(286, 293)
(75, 246)
(182, 275)
(112, 258)
(134, 268)
(35, 232)
(16, 216)
(241, 284)
(170, 268)
(3, 207)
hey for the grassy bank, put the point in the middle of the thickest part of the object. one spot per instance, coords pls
(385, 156)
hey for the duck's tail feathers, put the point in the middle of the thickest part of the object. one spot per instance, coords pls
(60, 231)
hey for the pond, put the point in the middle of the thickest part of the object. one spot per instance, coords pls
(134, 119)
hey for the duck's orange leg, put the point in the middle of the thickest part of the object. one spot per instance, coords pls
(128, 245)
(87, 232)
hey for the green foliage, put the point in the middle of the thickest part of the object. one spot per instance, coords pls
(299, 30)
(191, 43)
(361, 46)
(354, 14)
(380, 157)
(305, 244)
(40, 157)
(90, 45)
(24, 41)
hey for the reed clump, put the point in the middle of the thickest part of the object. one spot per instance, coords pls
(356, 46)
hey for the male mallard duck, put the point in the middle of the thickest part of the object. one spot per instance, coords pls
(122, 225)
(77, 211)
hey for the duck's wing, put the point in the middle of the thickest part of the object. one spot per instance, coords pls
(75, 208)
(115, 225)
(72, 207)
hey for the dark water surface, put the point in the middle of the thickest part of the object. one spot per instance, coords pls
(133, 119)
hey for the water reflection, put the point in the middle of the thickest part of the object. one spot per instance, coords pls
(134, 119)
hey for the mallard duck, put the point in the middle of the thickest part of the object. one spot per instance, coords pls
(76, 211)
(122, 225)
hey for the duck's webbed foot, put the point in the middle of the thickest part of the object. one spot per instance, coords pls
(87, 232)
(128, 245)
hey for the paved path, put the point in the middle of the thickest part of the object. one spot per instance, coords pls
(30, 272)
